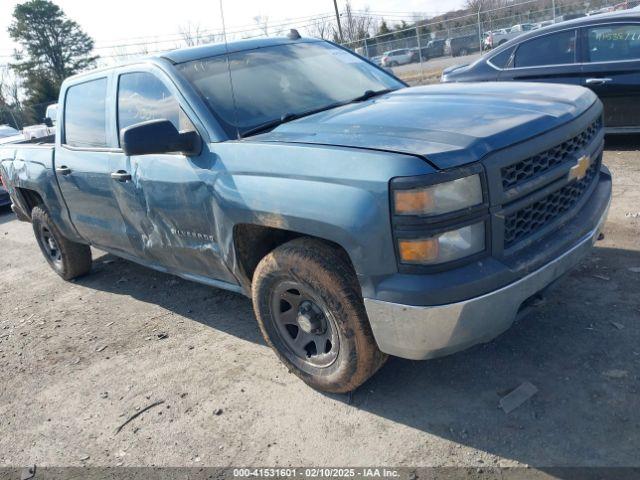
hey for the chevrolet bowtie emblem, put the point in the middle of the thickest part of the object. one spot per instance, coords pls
(579, 170)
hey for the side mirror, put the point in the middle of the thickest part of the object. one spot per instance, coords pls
(48, 122)
(158, 136)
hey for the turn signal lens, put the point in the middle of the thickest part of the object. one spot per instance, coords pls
(444, 247)
(439, 198)
(418, 251)
(407, 201)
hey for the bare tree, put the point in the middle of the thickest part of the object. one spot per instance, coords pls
(262, 21)
(322, 27)
(357, 26)
(11, 108)
(191, 34)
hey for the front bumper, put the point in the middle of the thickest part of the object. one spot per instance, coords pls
(422, 332)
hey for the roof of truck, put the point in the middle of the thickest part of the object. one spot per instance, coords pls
(201, 51)
(214, 49)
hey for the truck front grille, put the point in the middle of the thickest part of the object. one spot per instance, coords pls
(537, 215)
(514, 175)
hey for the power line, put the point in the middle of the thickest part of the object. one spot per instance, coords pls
(239, 29)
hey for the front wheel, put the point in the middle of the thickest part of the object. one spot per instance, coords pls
(68, 259)
(310, 311)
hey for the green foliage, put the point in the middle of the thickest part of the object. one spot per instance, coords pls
(383, 29)
(53, 48)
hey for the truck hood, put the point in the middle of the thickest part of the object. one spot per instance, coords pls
(449, 125)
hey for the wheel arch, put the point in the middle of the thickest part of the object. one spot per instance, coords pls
(252, 242)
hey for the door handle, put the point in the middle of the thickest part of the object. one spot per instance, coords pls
(63, 170)
(121, 176)
(598, 81)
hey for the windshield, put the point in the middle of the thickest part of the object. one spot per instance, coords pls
(273, 82)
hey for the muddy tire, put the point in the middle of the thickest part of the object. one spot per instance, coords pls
(68, 259)
(309, 307)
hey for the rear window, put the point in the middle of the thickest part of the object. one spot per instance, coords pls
(553, 49)
(85, 115)
(614, 42)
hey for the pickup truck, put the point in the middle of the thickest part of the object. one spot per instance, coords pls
(364, 218)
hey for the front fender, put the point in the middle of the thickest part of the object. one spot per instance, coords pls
(357, 219)
(334, 193)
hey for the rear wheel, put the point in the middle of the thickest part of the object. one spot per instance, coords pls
(464, 52)
(68, 259)
(310, 311)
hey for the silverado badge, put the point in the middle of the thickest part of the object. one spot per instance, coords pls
(579, 170)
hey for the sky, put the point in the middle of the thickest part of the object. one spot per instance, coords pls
(115, 22)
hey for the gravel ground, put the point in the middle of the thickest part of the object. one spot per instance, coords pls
(430, 71)
(78, 359)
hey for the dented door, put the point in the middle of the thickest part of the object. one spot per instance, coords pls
(167, 200)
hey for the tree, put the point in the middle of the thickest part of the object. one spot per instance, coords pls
(356, 26)
(321, 27)
(10, 107)
(194, 34)
(53, 47)
(262, 21)
(383, 29)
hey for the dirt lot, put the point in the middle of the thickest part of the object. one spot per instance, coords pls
(430, 70)
(78, 359)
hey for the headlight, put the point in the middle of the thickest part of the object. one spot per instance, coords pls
(439, 198)
(443, 247)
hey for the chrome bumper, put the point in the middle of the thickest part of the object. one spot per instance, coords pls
(419, 333)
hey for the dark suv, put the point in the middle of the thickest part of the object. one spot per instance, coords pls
(601, 52)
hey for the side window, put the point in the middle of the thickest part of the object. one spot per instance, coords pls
(503, 59)
(553, 49)
(613, 42)
(84, 115)
(142, 97)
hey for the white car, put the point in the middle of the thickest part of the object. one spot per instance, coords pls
(7, 131)
(498, 37)
(401, 56)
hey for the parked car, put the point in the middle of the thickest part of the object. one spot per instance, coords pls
(393, 58)
(7, 131)
(498, 37)
(34, 132)
(461, 46)
(377, 60)
(569, 16)
(433, 49)
(522, 27)
(363, 217)
(601, 10)
(546, 23)
(4, 196)
(608, 63)
(51, 115)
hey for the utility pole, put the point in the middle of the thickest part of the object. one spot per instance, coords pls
(479, 30)
(335, 5)
(553, 3)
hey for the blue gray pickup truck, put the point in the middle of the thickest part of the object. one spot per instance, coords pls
(364, 218)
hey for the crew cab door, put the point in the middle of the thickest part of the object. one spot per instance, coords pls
(83, 166)
(611, 68)
(547, 58)
(167, 200)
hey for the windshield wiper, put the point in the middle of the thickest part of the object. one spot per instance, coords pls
(287, 117)
(370, 94)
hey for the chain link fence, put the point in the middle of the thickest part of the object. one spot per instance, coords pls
(419, 53)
